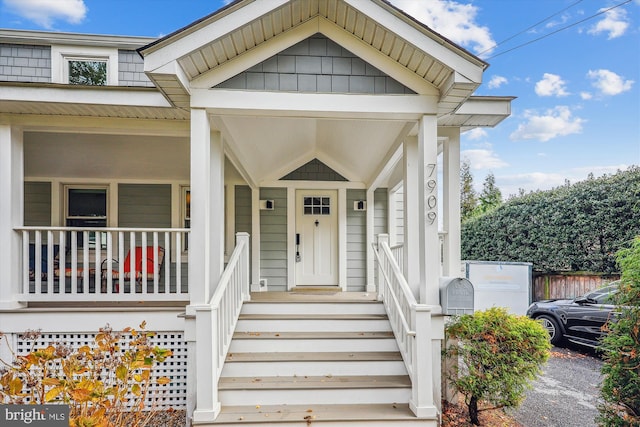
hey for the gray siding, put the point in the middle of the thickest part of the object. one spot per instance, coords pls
(243, 209)
(273, 239)
(314, 170)
(356, 243)
(144, 205)
(381, 202)
(25, 63)
(316, 64)
(131, 69)
(37, 204)
(398, 209)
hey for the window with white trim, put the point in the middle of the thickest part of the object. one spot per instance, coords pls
(84, 65)
(86, 206)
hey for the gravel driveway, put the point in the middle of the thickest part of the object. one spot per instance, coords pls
(567, 393)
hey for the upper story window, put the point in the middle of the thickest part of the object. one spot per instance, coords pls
(84, 65)
(91, 72)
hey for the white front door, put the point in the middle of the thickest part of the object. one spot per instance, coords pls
(316, 238)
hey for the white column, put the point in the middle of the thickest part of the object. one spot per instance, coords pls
(451, 202)
(342, 238)
(371, 217)
(255, 232)
(206, 254)
(428, 210)
(11, 213)
(412, 217)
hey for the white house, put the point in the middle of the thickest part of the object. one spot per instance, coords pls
(273, 188)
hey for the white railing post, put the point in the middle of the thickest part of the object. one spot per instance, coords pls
(422, 403)
(382, 239)
(207, 403)
(243, 238)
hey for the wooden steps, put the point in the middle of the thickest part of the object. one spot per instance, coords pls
(298, 359)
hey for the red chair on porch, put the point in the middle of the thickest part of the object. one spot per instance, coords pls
(153, 261)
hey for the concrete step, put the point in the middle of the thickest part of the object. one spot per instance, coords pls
(314, 390)
(312, 341)
(361, 415)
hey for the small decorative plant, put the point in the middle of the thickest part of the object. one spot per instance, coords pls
(104, 385)
(499, 353)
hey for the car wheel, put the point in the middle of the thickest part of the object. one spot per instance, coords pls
(551, 325)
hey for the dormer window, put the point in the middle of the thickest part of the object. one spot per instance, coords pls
(91, 72)
(83, 65)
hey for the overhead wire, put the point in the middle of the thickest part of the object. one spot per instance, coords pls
(560, 29)
(530, 27)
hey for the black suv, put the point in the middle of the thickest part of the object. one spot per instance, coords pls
(579, 320)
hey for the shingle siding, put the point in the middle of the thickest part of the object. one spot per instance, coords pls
(25, 63)
(131, 69)
(316, 64)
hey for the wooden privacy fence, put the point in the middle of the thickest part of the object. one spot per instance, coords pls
(568, 285)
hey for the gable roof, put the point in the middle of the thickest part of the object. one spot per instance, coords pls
(246, 32)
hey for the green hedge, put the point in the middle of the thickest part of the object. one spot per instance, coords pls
(576, 227)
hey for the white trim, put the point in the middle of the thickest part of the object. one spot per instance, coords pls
(324, 105)
(230, 219)
(391, 159)
(370, 239)
(291, 237)
(314, 185)
(342, 239)
(255, 237)
(90, 95)
(61, 55)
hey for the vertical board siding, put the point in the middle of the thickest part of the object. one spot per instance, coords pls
(37, 204)
(356, 243)
(273, 239)
(568, 286)
(144, 205)
(25, 63)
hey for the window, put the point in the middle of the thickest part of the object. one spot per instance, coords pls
(82, 65)
(87, 72)
(317, 206)
(186, 214)
(86, 207)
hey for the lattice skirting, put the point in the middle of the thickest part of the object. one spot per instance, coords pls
(173, 395)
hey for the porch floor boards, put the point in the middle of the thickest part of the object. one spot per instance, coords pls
(314, 296)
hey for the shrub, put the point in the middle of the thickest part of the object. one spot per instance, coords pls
(104, 385)
(500, 354)
(621, 348)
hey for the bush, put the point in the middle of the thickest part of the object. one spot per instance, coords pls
(576, 227)
(500, 354)
(104, 385)
(621, 348)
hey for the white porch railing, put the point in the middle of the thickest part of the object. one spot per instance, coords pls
(411, 324)
(398, 254)
(103, 264)
(215, 325)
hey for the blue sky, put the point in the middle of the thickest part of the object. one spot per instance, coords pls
(573, 65)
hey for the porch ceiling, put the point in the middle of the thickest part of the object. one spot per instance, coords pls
(268, 148)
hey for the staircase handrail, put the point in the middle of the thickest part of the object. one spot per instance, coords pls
(227, 300)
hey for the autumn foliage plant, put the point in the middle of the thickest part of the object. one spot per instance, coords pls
(106, 384)
(498, 353)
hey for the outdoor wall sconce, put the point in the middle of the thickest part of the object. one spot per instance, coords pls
(266, 205)
(359, 205)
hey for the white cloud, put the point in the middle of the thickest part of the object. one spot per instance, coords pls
(608, 82)
(45, 12)
(483, 159)
(497, 81)
(615, 23)
(476, 133)
(551, 85)
(553, 123)
(510, 184)
(455, 21)
(586, 95)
